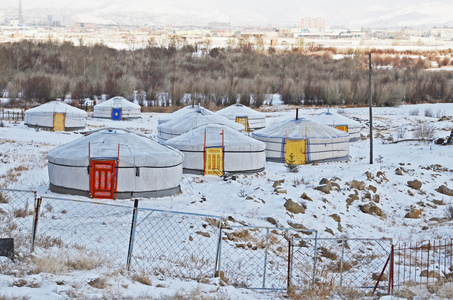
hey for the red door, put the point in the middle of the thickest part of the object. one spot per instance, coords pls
(103, 179)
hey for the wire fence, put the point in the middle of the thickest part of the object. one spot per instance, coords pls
(196, 246)
(11, 115)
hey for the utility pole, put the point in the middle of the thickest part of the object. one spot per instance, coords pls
(371, 108)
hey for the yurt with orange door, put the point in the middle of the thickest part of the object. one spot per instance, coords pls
(115, 163)
(339, 122)
(250, 118)
(57, 116)
(117, 109)
(183, 111)
(191, 120)
(302, 141)
(218, 149)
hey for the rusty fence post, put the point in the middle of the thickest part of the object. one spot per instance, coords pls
(132, 235)
(34, 228)
(218, 252)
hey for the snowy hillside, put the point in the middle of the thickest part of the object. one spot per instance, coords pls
(400, 209)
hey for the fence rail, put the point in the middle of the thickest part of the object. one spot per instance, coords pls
(194, 246)
(11, 115)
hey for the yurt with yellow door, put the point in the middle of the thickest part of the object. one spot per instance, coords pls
(181, 112)
(301, 141)
(340, 122)
(250, 118)
(57, 116)
(117, 109)
(218, 149)
(113, 163)
(189, 121)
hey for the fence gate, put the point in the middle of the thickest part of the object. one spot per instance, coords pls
(116, 114)
(296, 151)
(214, 161)
(103, 178)
(342, 128)
(244, 121)
(58, 121)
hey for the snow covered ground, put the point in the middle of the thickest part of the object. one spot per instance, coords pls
(251, 199)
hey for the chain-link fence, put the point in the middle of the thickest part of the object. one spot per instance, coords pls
(17, 206)
(343, 266)
(257, 257)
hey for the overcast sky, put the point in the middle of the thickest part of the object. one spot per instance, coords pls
(254, 11)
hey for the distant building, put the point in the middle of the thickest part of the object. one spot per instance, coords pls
(313, 23)
(59, 20)
(442, 33)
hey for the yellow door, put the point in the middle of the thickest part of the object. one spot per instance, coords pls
(214, 161)
(296, 152)
(244, 121)
(343, 128)
(58, 122)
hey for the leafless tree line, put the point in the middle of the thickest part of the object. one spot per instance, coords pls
(306, 74)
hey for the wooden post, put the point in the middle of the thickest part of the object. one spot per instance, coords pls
(371, 110)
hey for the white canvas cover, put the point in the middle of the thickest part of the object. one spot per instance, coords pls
(256, 119)
(191, 120)
(334, 120)
(323, 142)
(129, 110)
(43, 116)
(242, 154)
(181, 112)
(145, 168)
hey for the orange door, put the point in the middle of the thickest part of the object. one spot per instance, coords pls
(342, 128)
(103, 179)
(244, 121)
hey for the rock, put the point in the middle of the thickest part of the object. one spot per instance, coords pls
(305, 197)
(20, 282)
(359, 185)
(371, 208)
(415, 184)
(336, 185)
(351, 199)
(372, 188)
(336, 217)
(249, 198)
(443, 189)
(438, 202)
(279, 191)
(415, 213)
(368, 174)
(324, 188)
(324, 181)
(202, 233)
(294, 207)
(430, 274)
(366, 195)
(300, 227)
(376, 198)
(271, 220)
(425, 228)
(398, 171)
(278, 183)
(329, 231)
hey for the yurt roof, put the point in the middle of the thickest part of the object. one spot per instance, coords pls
(196, 118)
(135, 149)
(239, 110)
(58, 107)
(233, 139)
(296, 129)
(334, 119)
(118, 102)
(183, 111)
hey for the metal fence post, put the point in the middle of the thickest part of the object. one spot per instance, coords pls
(265, 258)
(217, 256)
(289, 264)
(315, 258)
(132, 236)
(341, 267)
(34, 228)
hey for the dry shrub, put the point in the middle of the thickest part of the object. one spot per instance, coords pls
(142, 278)
(449, 211)
(2, 297)
(66, 261)
(3, 199)
(47, 242)
(50, 265)
(424, 130)
(319, 291)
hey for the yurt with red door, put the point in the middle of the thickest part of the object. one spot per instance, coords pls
(115, 163)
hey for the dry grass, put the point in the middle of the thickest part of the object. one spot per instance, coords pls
(319, 291)
(67, 261)
(142, 278)
(99, 283)
(3, 297)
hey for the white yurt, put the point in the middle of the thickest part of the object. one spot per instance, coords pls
(56, 115)
(217, 149)
(340, 122)
(189, 121)
(181, 112)
(250, 118)
(117, 108)
(115, 163)
(301, 141)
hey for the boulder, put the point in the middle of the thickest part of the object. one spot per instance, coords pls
(305, 197)
(300, 227)
(336, 217)
(324, 188)
(278, 183)
(359, 185)
(371, 208)
(398, 171)
(271, 220)
(443, 189)
(415, 184)
(415, 213)
(372, 188)
(294, 207)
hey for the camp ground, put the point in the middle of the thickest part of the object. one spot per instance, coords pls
(250, 118)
